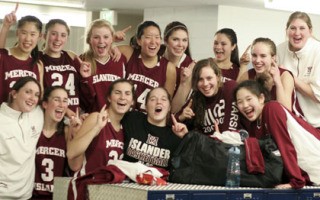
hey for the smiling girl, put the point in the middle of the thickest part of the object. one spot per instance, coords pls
(297, 140)
(145, 68)
(301, 55)
(211, 101)
(101, 135)
(52, 145)
(279, 81)
(22, 59)
(99, 69)
(18, 138)
(177, 51)
(61, 68)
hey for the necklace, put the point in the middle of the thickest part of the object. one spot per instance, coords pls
(258, 124)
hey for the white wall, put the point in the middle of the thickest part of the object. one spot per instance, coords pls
(248, 23)
(201, 23)
(252, 23)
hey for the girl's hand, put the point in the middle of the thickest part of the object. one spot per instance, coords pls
(275, 72)
(11, 18)
(186, 73)
(121, 35)
(187, 112)
(85, 68)
(102, 118)
(75, 124)
(178, 128)
(245, 58)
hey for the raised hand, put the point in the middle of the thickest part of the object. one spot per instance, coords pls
(178, 128)
(102, 118)
(216, 126)
(186, 73)
(11, 18)
(85, 68)
(275, 72)
(121, 35)
(187, 112)
(75, 123)
(245, 58)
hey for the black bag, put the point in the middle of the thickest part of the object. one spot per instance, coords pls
(203, 160)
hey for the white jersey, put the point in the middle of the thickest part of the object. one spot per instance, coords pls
(305, 64)
(18, 139)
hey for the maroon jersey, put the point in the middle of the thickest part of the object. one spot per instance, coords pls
(50, 162)
(11, 70)
(273, 93)
(230, 74)
(63, 71)
(280, 123)
(145, 78)
(223, 108)
(107, 145)
(94, 88)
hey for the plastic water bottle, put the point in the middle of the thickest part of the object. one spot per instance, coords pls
(233, 170)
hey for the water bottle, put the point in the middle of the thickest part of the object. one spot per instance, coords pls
(233, 170)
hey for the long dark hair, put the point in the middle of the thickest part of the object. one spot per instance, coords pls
(198, 99)
(140, 32)
(174, 26)
(46, 94)
(256, 87)
(234, 41)
(38, 25)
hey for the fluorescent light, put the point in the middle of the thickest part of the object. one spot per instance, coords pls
(59, 3)
(109, 15)
(308, 6)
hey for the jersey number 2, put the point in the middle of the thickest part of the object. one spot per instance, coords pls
(69, 85)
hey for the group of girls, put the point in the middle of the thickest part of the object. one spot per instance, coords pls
(61, 73)
(154, 76)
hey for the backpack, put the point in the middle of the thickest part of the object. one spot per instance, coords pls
(202, 160)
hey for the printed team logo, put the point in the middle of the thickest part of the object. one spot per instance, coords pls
(309, 70)
(33, 129)
(152, 140)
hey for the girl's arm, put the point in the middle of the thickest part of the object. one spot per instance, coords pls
(126, 50)
(89, 130)
(244, 61)
(184, 88)
(170, 78)
(9, 20)
(305, 89)
(284, 86)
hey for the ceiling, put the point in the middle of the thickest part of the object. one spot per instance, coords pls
(137, 6)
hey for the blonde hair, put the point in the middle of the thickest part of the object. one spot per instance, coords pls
(89, 55)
